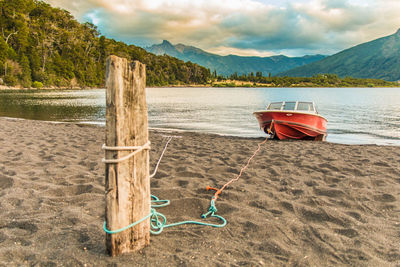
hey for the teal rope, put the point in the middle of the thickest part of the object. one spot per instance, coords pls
(158, 221)
(165, 202)
(159, 225)
(124, 228)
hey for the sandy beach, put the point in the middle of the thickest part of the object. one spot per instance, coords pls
(298, 204)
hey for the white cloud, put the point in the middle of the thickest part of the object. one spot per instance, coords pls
(247, 27)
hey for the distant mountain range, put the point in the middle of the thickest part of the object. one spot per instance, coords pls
(227, 65)
(379, 59)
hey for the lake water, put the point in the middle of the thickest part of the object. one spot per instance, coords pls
(355, 115)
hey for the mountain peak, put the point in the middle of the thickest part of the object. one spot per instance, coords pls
(165, 42)
(398, 32)
(164, 48)
(226, 65)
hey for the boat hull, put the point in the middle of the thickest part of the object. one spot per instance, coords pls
(292, 125)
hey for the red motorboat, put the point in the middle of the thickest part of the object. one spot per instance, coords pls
(292, 120)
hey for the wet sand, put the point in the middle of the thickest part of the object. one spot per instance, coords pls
(298, 204)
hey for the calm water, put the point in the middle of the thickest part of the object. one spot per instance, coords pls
(355, 115)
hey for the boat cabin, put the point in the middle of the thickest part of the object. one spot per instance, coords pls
(299, 106)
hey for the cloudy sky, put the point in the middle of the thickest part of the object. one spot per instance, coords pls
(242, 27)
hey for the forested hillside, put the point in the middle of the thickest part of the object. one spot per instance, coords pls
(42, 45)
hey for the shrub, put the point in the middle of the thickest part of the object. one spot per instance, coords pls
(10, 80)
(37, 85)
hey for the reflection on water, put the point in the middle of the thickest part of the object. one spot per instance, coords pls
(85, 105)
(355, 115)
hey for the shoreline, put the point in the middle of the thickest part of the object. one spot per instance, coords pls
(299, 203)
(217, 85)
(12, 88)
(157, 129)
(178, 131)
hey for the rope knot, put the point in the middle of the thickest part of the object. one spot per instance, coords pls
(211, 210)
(157, 222)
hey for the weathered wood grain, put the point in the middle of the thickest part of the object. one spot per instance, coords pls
(127, 183)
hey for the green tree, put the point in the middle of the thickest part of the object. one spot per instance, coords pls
(46, 44)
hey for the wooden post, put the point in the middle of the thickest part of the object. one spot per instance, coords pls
(127, 183)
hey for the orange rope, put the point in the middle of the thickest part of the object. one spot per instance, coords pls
(219, 191)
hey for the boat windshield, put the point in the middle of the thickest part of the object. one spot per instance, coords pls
(275, 106)
(305, 106)
(293, 105)
(289, 106)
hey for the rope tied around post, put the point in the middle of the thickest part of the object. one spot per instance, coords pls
(136, 149)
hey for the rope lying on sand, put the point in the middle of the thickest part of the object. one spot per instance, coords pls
(219, 191)
(157, 220)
